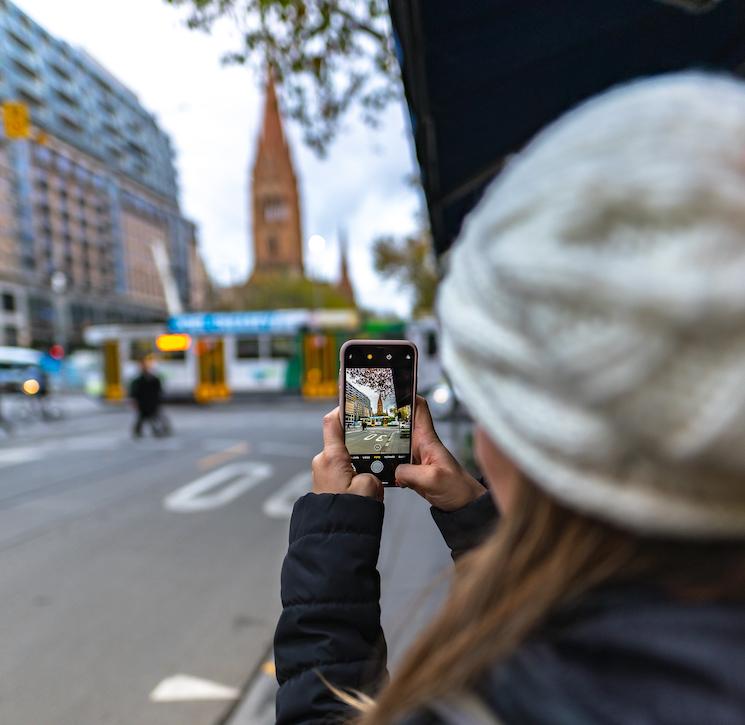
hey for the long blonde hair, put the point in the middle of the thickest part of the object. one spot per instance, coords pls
(540, 557)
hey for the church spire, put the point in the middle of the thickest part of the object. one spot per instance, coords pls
(272, 133)
(275, 202)
(345, 281)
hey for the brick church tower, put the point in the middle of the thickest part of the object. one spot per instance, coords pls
(275, 203)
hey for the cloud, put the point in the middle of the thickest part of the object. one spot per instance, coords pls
(212, 114)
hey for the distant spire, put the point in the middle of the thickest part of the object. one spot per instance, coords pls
(272, 133)
(345, 282)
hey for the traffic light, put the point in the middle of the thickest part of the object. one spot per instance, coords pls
(56, 352)
(16, 120)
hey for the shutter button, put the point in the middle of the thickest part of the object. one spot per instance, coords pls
(376, 466)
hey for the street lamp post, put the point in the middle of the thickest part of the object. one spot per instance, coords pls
(58, 283)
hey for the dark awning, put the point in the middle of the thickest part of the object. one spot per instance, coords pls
(482, 76)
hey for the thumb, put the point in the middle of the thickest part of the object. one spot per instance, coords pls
(409, 475)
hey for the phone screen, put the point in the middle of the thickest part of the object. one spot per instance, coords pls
(378, 399)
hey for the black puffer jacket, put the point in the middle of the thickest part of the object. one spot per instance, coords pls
(624, 655)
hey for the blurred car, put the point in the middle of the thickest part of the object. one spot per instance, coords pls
(18, 366)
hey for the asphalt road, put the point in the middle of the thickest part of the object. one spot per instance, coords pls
(126, 563)
(376, 440)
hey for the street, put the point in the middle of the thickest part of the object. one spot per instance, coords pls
(129, 567)
(125, 563)
(376, 440)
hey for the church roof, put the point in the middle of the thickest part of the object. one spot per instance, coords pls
(272, 132)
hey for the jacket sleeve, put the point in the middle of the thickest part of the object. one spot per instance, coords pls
(465, 528)
(330, 621)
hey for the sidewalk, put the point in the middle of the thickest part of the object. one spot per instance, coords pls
(412, 558)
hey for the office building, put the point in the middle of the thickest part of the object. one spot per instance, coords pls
(83, 199)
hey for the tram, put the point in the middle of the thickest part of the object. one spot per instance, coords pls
(211, 356)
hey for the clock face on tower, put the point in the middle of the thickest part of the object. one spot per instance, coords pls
(275, 210)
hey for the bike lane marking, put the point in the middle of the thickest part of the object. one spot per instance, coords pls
(223, 456)
(218, 488)
(279, 505)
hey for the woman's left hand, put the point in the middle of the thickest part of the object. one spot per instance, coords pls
(332, 468)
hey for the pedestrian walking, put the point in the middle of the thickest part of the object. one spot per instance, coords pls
(592, 322)
(146, 392)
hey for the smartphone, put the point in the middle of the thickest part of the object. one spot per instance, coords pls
(377, 393)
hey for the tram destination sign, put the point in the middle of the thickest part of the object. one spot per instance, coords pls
(258, 322)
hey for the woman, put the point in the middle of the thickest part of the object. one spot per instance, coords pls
(594, 323)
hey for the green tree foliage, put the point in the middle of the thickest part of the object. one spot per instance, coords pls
(280, 292)
(411, 263)
(379, 379)
(325, 54)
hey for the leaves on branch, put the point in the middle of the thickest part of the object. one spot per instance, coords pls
(278, 291)
(411, 263)
(326, 55)
(379, 379)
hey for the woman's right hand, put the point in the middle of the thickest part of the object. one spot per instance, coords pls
(436, 475)
(332, 468)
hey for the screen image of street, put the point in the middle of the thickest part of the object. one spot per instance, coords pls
(373, 421)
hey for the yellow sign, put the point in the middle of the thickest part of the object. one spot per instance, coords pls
(16, 120)
(175, 342)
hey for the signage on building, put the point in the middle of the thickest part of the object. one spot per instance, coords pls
(16, 120)
(258, 322)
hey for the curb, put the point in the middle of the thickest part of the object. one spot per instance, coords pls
(256, 704)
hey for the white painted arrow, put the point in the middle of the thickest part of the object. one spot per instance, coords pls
(279, 505)
(217, 488)
(182, 688)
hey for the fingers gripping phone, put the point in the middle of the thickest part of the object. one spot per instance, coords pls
(377, 393)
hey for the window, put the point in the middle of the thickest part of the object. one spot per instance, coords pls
(139, 349)
(282, 347)
(9, 302)
(174, 356)
(275, 210)
(11, 335)
(247, 348)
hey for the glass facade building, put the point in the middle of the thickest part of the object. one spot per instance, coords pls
(83, 199)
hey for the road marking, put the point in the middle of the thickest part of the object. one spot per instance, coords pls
(14, 456)
(370, 437)
(183, 688)
(218, 488)
(215, 459)
(279, 505)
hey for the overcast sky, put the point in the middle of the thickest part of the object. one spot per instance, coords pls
(212, 114)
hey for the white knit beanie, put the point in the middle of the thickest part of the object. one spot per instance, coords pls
(594, 311)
